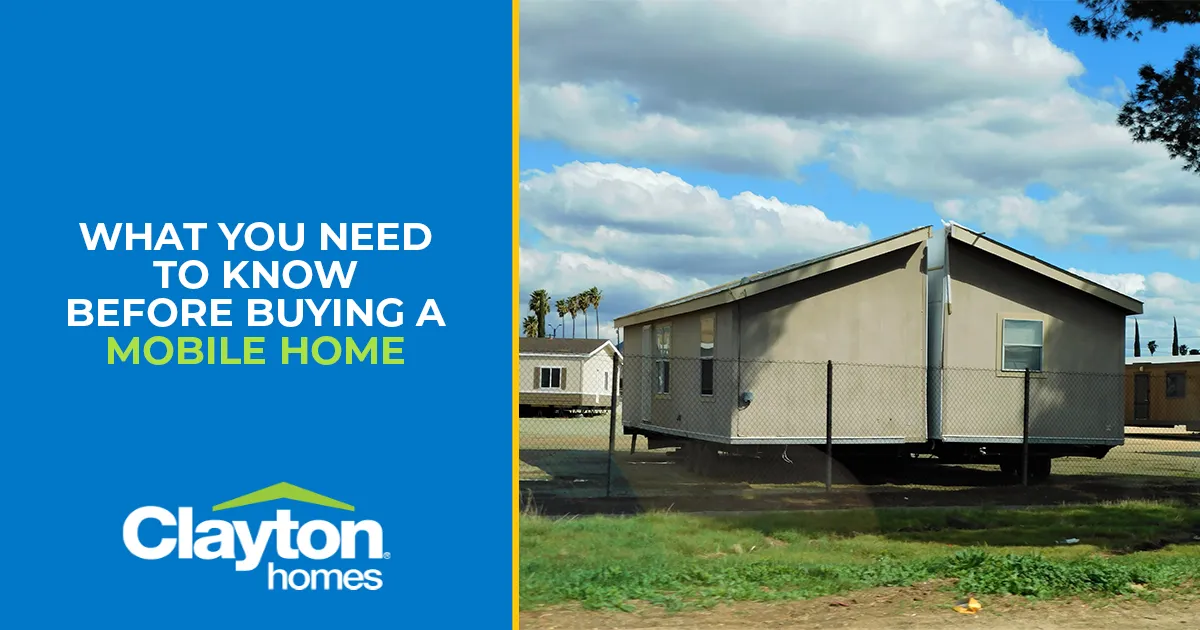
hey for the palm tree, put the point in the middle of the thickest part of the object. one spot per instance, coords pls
(1137, 340)
(593, 296)
(561, 307)
(573, 309)
(583, 302)
(539, 304)
(1152, 346)
(529, 326)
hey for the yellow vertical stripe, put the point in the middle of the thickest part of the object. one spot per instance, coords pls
(516, 314)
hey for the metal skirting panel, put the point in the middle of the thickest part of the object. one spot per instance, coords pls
(725, 439)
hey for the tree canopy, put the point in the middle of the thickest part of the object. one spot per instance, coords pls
(1165, 105)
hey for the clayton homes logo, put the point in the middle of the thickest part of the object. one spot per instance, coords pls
(224, 538)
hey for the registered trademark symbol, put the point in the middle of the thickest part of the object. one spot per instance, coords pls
(387, 556)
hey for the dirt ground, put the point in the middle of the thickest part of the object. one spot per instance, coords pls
(920, 606)
(564, 470)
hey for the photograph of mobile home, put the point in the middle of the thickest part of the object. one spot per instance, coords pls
(918, 342)
(565, 375)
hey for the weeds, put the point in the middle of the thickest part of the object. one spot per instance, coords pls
(677, 561)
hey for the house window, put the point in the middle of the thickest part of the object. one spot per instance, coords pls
(1021, 342)
(708, 332)
(551, 378)
(662, 361)
(606, 381)
(1176, 384)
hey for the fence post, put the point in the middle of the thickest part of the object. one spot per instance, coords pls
(612, 424)
(829, 426)
(1025, 434)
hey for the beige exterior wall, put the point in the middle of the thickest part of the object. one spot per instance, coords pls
(870, 312)
(530, 366)
(683, 408)
(597, 374)
(863, 318)
(1165, 411)
(1080, 395)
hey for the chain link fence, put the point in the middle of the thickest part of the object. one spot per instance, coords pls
(708, 433)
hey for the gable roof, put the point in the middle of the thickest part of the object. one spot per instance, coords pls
(767, 280)
(977, 240)
(563, 347)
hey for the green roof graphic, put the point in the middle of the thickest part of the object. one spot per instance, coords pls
(283, 491)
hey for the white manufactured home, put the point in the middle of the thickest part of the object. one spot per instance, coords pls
(565, 374)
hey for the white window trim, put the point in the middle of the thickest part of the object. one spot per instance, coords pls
(1003, 345)
(560, 377)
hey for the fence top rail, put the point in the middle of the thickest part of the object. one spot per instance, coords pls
(628, 358)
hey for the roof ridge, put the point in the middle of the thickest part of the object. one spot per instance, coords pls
(562, 344)
(756, 277)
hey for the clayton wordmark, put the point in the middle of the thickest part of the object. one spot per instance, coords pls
(177, 533)
(250, 351)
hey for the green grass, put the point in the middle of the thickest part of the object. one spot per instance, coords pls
(678, 560)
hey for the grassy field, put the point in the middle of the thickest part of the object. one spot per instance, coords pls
(678, 561)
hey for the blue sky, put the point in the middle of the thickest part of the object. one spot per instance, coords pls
(998, 116)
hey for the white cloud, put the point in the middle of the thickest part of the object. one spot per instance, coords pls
(803, 58)
(954, 102)
(1131, 284)
(626, 289)
(655, 220)
(1166, 297)
(602, 120)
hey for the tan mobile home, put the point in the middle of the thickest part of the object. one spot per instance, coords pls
(1163, 391)
(929, 334)
(744, 362)
(565, 374)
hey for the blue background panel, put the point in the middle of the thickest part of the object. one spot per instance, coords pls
(241, 112)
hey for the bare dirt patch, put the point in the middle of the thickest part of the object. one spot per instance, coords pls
(565, 465)
(919, 606)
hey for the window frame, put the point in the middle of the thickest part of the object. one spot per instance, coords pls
(707, 362)
(542, 369)
(662, 360)
(1181, 389)
(1004, 345)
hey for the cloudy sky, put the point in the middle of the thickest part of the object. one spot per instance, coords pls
(668, 145)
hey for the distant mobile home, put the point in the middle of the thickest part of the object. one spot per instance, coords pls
(565, 374)
(1163, 391)
(742, 366)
